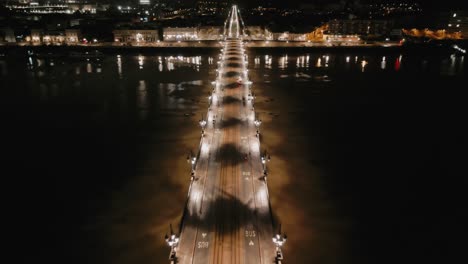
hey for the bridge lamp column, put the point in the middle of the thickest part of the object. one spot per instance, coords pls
(193, 162)
(172, 241)
(210, 99)
(246, 74)
(218, 72)
(265, 158)
(215, 84)
(279, 240)
(202, 123)
(263, 164)
(257, 123)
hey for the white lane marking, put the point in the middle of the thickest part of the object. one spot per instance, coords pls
(250, 233)
(203, 244)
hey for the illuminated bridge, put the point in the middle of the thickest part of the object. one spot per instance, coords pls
(227, 217)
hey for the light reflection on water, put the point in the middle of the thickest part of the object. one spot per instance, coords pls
(448, 65)
(383, 64)
(142, 84)
(257, 62)
(283, 62)
(142, 99)
(174, 76)
(141, 61)
(119, 66)
(319, 63)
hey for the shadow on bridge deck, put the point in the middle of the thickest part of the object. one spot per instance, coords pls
(233, 65)
(223, 209)
(231, 122)
(231, 74)
(229, 100)
(230, 153)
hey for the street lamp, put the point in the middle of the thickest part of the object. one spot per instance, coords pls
(265, 158)
(202, 123)
(172, 242)
(257, 123)
(192, 160)
(279, 240)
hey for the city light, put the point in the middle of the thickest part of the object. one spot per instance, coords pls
(279, 240)
(459, 49)
(257, 123)
(172, 240)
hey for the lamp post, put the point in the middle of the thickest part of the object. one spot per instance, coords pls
(172, 242)
(192, 160)
(202, 123)
(265, 158)
(251, 97)
(257, 123)
(279, 240)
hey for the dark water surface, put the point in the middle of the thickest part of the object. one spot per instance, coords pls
(367, 153)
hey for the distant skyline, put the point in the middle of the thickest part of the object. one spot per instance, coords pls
(428, 5)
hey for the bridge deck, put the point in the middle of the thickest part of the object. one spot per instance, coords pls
(228, 217)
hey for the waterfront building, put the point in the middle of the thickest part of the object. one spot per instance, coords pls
(72, 36)
(287, 36)
(180, 33)
(36, 36)
(210, 33)
(51, 37)
(54, 37)
(258, 33)
(135, 35)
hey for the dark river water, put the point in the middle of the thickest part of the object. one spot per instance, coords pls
(367, 153)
